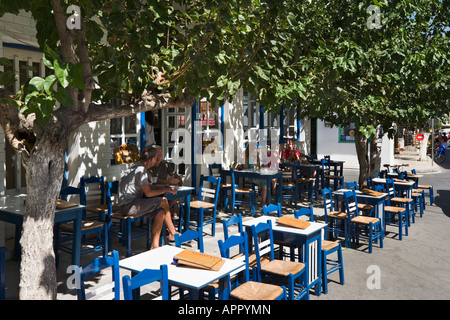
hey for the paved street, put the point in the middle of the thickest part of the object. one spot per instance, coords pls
(415, 268)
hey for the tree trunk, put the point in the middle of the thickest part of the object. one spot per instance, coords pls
(44, 172)
(363, 158)
(375, 156)
(423, 147)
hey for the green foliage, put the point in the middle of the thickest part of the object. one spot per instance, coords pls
(319, 55)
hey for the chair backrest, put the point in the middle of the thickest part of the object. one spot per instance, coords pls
(272, 208)
(413, 171)
(108, 291)
(370, 183)
(263, 242)
(190, 235)
(145, 277)
(232, 221)
(71, 191)
(111, 192)
(390, 188)
(327, 201)
(233, 241)
(351, 204)
(382, 174)
(379, 187)
(352, 185)
(209, 194)
(212, 167)
(94, 190)
(305, 212)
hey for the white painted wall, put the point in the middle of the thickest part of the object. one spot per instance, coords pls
(327, 144)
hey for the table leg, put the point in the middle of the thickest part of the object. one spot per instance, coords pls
(76, 244)
(187, 215)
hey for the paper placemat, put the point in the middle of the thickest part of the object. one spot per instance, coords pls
(293, 222)
(371, 193)
(199, 260)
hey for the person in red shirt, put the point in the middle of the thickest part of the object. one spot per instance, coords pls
(290, 153)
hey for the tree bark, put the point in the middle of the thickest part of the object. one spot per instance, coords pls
(374, 156)
(363, 158)
(44, 171)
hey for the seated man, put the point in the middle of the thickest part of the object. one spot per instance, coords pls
(164, 171)
(137, 197)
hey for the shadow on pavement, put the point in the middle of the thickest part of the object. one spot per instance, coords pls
(442, 200)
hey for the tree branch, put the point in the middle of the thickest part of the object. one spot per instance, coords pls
(148, 101)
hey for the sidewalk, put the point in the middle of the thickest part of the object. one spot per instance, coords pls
(415, 268)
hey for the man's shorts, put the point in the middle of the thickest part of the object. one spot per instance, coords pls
(148, 207)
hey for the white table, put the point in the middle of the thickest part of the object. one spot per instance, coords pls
(399, 185)
(378, 202)
(191, 278)
(309, 239)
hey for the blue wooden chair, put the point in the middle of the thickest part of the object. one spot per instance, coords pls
(225, 187)
(243, 288)
(109, 291)
(126, 228)
(271, 208)
(328, 176)
(289, 272)
(181, 240)
(357, 223)
(205, 208)
(145, 277)
(238, 193)
(336, 220)
(276, 208)
(93, 196)
(190, 235)
(328, 248)
(396, 207)
(426, 187)
(304, 178)
(305, 212)
(290, 186)
(64, 231)
(366, 208)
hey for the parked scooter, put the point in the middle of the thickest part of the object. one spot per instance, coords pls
(439, 155)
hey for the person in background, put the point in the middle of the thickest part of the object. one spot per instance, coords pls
(138, 197)
(164, 171)
(150, 124)
(165, 174)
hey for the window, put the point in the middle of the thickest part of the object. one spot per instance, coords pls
(252, 117)
(124, 130)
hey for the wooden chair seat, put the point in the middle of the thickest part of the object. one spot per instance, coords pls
(333, 177)
(364, 220)
(402, 200)
(252, 290)
(102, 208)
(118, 215)
(362, 206)
(226, 185)
(417, 190)
(423, 186)
(337, 214)
(85, 225)
(306, 180)
(282, 267)
(244, 190)
(416, 194)
(329, 245)
(202, 204)
(394, 209)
